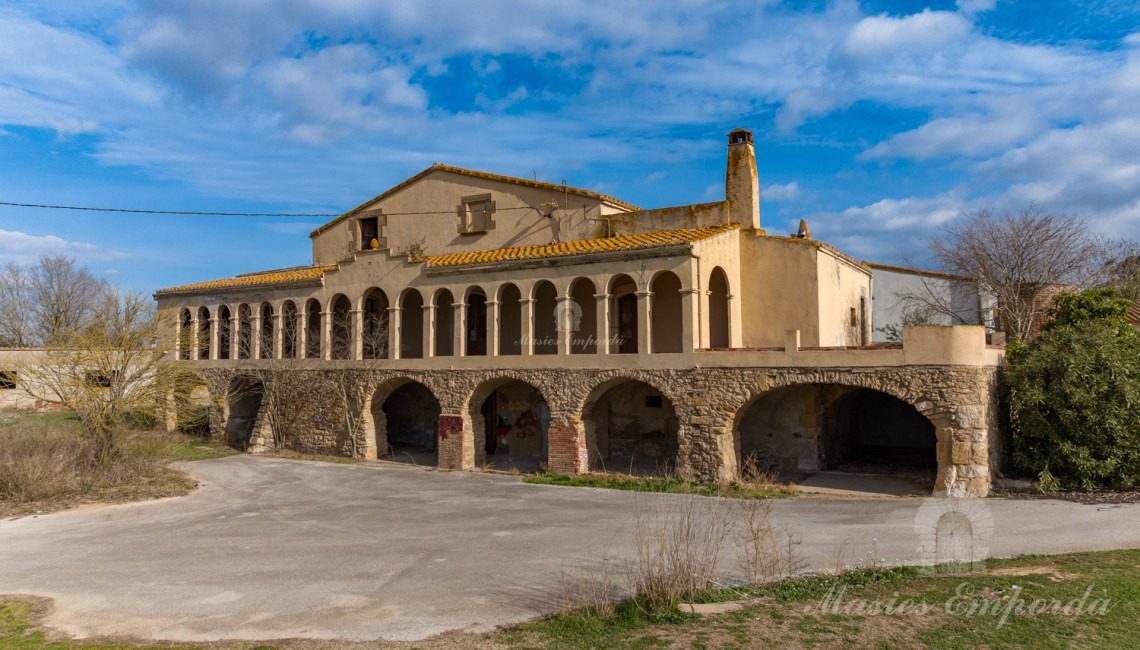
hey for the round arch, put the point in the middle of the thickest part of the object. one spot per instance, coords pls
(341, 345)
(510, 419)
(582, 316)
(443, 300)
(631, 425)
(719, 316)
(624, 315)
(511, 330)
(411, 343)
(402, 416)
(243, 405)
(668, 326)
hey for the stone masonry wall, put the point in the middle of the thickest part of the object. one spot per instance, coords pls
(709, 402)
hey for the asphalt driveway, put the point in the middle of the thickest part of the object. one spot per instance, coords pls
(270, 548)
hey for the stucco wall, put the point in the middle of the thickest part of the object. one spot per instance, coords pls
(779, 291)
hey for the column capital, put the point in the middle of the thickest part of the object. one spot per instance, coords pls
(643, 294)
(602, 296)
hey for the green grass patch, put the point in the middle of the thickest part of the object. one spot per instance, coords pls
(669, 484)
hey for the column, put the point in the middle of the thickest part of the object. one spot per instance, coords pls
(194, 343)
(278, 335)
(527, 329)
(326, 334)
(691, 323)
(602, 309)
(705, 317)
(459, 329)
(735, 325)
(255, 334)
(644, 321)
(213, 352)
(356, 334)
(429, 331)
(302, 350)
(395, 332)
(235, 334)
(562, 325)
(493, 316)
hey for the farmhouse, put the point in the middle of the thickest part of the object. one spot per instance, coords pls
(465, 318)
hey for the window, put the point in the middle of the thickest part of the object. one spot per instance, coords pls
(369, 230)
(7, 379)
(475, 214)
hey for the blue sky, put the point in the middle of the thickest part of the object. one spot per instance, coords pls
(877, 121)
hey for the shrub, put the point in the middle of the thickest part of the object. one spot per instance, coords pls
(1074, 393)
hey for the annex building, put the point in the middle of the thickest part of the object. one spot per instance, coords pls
(465, 319)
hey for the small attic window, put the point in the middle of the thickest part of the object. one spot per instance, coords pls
(368, 228)
(475, 214)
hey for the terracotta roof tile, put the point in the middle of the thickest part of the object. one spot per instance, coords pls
(580, 247)
(280, 276)
(1133, 315)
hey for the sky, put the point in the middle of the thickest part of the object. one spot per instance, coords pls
(877, 121)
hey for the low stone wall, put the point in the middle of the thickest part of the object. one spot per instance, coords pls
(327, 411)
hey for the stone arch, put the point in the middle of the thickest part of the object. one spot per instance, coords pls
(520, 429)
(401, 419)
(646, 419)
(313, 329)
(225, 331)
(720, 327)
(377, 330)
(265, 337)
(340, 311)
(545, 323)
(243, 414)
(411, 325)
(444, 323)
(290, 330)
(583, 322)
(624, 314)
(510, 319)
(668, 327)
(245, 332)
(475, 321)
(185, 335)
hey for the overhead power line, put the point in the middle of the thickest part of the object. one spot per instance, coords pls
(227, 214)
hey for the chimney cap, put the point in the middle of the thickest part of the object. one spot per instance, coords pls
(738, 136)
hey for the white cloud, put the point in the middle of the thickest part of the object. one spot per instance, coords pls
(882, 36)
(783, 192)
(22, 248)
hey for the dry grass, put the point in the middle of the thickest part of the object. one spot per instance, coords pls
(45, 465)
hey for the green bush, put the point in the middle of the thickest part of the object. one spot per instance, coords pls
(1074, 396)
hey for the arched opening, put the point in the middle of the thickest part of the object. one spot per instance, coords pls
(244, 403)
(341, 327)
(476, 334)
(815, 427)
(225, 332)
(511, 423)
(185, 335)
(623, 315)
(313, 329)
(266, 338)
(510, 320)
(444, 323)
(668, 325)
(406, 421)
(718, 310)
(374, 338)
(583, 317)
(632, 427)
(412, 325)
(245, 332)
(545, 318)
(290, 330)
(203, 340)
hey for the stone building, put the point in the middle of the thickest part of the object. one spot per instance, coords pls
(465, 318)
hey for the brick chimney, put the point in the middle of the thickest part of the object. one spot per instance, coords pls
(741, 181)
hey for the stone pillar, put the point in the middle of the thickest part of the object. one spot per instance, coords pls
(735, 326)
(255, 334)
(459, 329)
(356, 334)
(562, 325)
(644, 321)
(494, 327)
(395, 332)
(278, 335)
(326, 334)
(456, 448)
(302, 350)
(567, 452)
(691, 320)
(602, 312)
(235, 334)
(429, 331)
(194, 343)
(527, 329)
(704, 318)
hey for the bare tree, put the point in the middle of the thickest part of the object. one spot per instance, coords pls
(1022, 259)
(43, 303)
(1122, 267)
(111, 367)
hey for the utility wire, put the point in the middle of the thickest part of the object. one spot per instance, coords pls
(227, 214)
